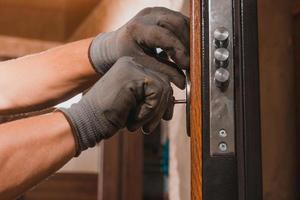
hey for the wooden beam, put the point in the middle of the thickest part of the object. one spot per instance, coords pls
(53, 5)
(97, 21)
(55, 20)
(13, 47)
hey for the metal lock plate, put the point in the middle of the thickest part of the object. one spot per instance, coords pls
(221, 83)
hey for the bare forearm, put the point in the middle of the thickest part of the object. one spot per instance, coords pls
(32, 149)
(45, 79)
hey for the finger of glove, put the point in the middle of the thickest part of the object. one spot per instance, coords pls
(151, 125)
(177, 24)
(168, 115)
(166, 110)
(174, 74)
(174, 21)
(152, 99)
(153, 36)
(165, 102)
(146, 110)
(171, 99)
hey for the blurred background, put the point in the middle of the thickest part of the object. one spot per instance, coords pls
(132, 166)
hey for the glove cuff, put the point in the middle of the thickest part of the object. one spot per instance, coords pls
(102, 52)
(89, 126)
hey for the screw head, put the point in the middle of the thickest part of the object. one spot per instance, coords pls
(223, 133)
(223, 146)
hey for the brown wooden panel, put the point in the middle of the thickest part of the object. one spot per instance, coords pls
(279, 148)
(296, 7)
(62, 186)
(132, 166)
(110, 169)
(121, 167)
(296, 48)
(196, 112)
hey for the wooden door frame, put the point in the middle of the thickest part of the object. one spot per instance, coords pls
(196, 100)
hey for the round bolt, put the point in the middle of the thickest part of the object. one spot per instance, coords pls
(221, 54)
(221, 57)
(223, 146)
(222, 133)
(221, 34)
(222, 77)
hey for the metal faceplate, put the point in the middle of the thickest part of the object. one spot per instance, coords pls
(221, 73)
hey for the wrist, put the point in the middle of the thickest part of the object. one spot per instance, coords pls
(89, 125)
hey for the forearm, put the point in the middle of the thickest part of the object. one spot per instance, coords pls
(32, 149)
(45, 79)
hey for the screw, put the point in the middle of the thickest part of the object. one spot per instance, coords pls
(223, 146)
(222, 133)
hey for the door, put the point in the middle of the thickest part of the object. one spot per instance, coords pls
(224, 109)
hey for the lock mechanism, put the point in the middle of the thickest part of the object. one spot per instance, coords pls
(221, 83)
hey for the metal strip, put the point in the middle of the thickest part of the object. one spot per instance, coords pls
(221, 73)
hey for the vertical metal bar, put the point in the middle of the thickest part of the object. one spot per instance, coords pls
(221, 98)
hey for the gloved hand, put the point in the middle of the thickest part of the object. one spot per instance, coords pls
(150, 29)
(128, 95)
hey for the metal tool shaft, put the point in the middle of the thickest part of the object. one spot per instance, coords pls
(180, 101)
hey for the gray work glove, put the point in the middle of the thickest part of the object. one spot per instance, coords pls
(128, 95)
(150, 29)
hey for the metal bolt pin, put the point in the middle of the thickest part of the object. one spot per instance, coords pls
(221, 34)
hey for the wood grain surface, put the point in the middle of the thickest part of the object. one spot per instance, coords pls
(121, 167)
(63, 186)
(196, 100)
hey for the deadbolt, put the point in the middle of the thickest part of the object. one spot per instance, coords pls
(222, 78)
(221, 57)
(221, 36)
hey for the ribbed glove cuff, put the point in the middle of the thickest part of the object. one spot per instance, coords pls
(89, 126)
(102, 52)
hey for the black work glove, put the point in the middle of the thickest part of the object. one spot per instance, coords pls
(151, 28)
(128, 95)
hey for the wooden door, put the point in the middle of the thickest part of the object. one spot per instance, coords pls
(224, 110)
